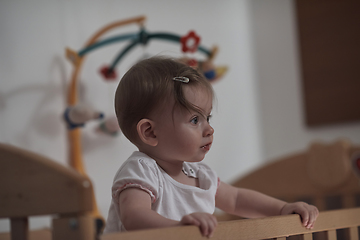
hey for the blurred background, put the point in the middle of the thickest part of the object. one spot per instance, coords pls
(259, 113)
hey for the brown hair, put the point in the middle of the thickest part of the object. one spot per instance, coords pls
(149, 84)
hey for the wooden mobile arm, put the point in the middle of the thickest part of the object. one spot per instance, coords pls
(74, 136)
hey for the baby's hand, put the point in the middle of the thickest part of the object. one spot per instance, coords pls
(308, 213)
(205, 221)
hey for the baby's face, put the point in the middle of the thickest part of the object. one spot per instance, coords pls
(185, 135)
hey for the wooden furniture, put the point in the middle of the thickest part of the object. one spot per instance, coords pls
(328, 38)
(326, 175)
(32, 185)
(41, 234)
(279, 227)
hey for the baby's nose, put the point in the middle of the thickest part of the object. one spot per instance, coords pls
(209, 131)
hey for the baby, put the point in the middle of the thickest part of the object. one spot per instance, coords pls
(164, 107)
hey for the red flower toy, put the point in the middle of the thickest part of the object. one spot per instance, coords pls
(108, 73)
(190, 42)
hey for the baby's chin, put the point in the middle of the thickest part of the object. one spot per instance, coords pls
(197, 159)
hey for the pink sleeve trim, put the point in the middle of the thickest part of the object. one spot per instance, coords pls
(218, 184)
(134, 185)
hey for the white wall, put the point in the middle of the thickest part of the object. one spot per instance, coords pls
(34, 77)
(259, 112)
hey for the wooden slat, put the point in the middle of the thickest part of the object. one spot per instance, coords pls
(265, 228)
(19, 229)
(307, 236)
(353, 233)
(331, 235)
(281, 238)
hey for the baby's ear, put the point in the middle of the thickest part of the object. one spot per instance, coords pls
(145, 129)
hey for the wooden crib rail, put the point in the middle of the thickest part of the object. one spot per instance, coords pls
(325, 175)
(278, 227)
(33, 185)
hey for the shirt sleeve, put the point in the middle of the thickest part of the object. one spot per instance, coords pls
(137, 173)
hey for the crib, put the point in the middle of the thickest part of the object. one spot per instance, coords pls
(31, 184)
(279, 227)
(326, 175)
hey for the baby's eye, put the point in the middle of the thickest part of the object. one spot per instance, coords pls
(195, 120)
(208, 118)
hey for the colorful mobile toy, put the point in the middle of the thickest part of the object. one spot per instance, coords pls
(76, 115)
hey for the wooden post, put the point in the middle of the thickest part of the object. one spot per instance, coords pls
(353, 233)
(331, 235)
(307, 236)
(74, 228)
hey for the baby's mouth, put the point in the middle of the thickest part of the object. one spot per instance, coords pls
(206, 147)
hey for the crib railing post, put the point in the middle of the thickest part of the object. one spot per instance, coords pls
(74, 227)
(353, 233)
(307, 236)
(331, 235)
(19, 228)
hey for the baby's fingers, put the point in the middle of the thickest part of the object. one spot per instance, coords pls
(208, 225)
(313, 214)
(190, 220)
(305, 216)
(206, 222)
(308, 215)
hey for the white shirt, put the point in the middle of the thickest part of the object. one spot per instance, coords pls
(170, 198)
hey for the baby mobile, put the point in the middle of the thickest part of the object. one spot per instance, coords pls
(77, 114)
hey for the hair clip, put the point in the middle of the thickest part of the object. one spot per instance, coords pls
(181, 79)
